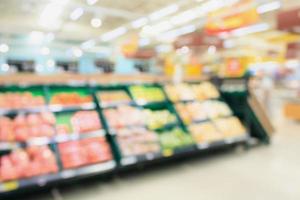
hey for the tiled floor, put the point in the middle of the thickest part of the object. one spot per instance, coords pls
(266, 172)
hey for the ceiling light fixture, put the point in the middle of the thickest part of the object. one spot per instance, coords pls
(4, 48)
(139, 22)
(45, 51)
(50, 15)
(250, 29)
(77, 52)
(88, 44)
(164, 12)
(96, 22)
(113, 34)
(268, 7)
(91, 2)
(171, 35)
(36, 37)
(76, 14)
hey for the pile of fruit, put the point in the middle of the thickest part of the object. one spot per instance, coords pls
(78, 122)
(175, 138)
(33, 161)
(179, 92)
(24, 127)
(147, 94)
(230, 127)
(20, 100)
(124, 116)
(193, 111)
(137, 141)
(158, 119)
(205, 90)
(113, 97)
(215, 109)
(70, 99)
(205, 132)
(84, 152)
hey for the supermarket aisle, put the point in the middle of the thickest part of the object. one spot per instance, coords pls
(267, 172)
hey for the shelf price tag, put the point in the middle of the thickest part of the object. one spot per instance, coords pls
(9, 186)
(167, 152)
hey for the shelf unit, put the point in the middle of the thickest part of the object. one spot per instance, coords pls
(119, 161)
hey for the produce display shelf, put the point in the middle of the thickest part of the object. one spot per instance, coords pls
(224, 142)
(116, 104)
(22, 110)
(43, 180)
(131, 160)
(6, 146)
(60, 108)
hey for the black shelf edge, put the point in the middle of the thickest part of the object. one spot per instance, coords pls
(38, 109)
(116, 104)
(43, 180)
(131, 160)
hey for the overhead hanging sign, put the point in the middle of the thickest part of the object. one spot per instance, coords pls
(226, 19)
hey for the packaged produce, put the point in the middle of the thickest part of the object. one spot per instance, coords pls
(158, 119)
(147, 94)
(24, 127)
(180, 92)
(192, 111)
(124, 116)
(215, 109)
(205, 90)
(175, 138)
(137, 141)
(88, 151)
(20, 100)
(85, 121)
(70, 99)
(25, 163)
(230, 127)
(205, 132)
(110, 97)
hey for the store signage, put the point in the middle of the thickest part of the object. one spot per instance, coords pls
(227, 19)
(289, 20)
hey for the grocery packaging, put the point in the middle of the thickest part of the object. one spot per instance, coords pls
(179, 92)
(147, 94)
(205, 132)
(215, 109)
(192, 111)
(110, 97)
(175, 138)
(230, 127)
(25, 163)
(158, 119)
(24, 127)
(124, 116)
(70, 99)
(137, 141)
(20, 100)
(85, 121)
(84, 152)
(205, 90)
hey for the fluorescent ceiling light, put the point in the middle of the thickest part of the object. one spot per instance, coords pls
(96, 22)
(164, 12)
(269, 7)
(77, 52)
(36, 37)
(76, 14)
(91, 2)
(139, 22)
(88, 44)
(113, 34)
(51, 13)
(45, 51)
(250, 29)
(4, 48)
(170, 35)
(144, 41)
(184, 17)
(5, 67)
(156, 29)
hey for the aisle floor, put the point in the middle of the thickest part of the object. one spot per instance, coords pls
(265, 172)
